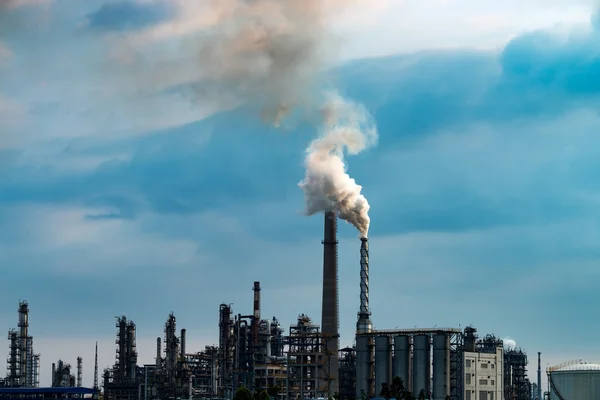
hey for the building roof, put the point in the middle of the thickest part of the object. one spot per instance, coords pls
(44, 390)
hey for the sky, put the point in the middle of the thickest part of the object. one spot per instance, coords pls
(129, 186)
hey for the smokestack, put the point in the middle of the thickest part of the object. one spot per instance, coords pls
(539, 377)
(79, 371)
(364, 323)
(158, 350)
(330, 305)
(183, 345)
(256, 315)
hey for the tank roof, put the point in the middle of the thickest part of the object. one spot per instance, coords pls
(576, 365)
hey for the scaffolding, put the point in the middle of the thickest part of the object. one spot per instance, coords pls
(307, 361)
(347, 373)
(203, 367)
(516, 383)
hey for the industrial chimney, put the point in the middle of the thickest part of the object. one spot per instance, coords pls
(365, 355)
(539, 377)
(329, 316)
(79, 371)
(256, 314)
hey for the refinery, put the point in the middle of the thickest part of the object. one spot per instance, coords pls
(306, 362)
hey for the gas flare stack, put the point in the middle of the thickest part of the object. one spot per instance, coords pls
(330, 304)
(365, 351)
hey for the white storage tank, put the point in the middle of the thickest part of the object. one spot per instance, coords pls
(574, 380)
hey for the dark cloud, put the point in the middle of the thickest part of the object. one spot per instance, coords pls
(128, 15)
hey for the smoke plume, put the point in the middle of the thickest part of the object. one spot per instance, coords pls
(509, 344)
(265, 53)
(348, 129)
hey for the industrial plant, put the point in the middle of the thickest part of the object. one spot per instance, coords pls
(305, 362)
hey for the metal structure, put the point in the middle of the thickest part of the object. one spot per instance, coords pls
(516, 383)
(347, 373)
(307, 361)
(330, 303)
(538, 388)
(383, 362)
(61, 375)
(122, 381)
(365, 346)
(22, 362)
(79, 371)
(415, 351)
(226, 352)
(96, 368)
(574, 380)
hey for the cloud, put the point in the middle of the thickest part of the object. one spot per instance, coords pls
(128, 15)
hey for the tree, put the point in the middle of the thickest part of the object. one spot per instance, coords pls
(422, 394)
(363, 395)
(243, 394)
(385, 391)
(274, 391)
(263, 395)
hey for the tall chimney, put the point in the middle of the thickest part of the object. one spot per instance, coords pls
(330, 304)
(539, 377)
(256, 315)
(79, 371)
(364, 323)
(182, 344)
(158, 353)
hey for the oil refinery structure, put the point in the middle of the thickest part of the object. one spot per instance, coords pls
(306, 363)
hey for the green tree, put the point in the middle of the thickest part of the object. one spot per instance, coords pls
(243, 394)
(363, 395)
(274, 391)
(422, 394)
(385, 391)
(263, 395)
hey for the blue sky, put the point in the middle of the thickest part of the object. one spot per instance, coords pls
(122, 192)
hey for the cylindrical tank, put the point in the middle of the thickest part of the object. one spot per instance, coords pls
(383, 362)
(421, 368)
(576, 381)
(362, 366)
(441, 366)
(402, 359)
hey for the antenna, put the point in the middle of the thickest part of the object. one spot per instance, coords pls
(96, 368)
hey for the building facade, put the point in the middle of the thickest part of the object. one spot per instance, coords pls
(484, 374)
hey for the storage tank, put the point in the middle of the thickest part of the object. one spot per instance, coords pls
(441, 366)
(575, 380)
(421, 367)
(383, 362)
(362, 366)
(402, 359)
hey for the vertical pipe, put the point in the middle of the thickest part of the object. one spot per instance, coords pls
(96, 368)
(539, 377)
(79, 371)
(330, 301)
(256, 315)
(183, 345)
(158, 351)
(383, 362)
(53, 375)
(23, 335)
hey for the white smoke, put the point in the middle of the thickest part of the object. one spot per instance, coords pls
(509, 344)
(348, 129)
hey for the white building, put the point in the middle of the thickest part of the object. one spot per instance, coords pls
(484, 374)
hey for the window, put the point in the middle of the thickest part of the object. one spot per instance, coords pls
(483, 381)
(484, 365)
(492, 366)
(483, 395)
(468, 364)
(492, 382)
(491, 395)
(468, 395)
(468, 379)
